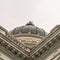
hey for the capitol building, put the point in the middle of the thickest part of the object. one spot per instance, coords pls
(29, 42)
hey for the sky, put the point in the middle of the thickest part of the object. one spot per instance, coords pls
(43, 13)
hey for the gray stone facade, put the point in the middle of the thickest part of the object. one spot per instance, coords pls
(12, 49)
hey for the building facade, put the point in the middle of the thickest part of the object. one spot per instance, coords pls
(29, 42)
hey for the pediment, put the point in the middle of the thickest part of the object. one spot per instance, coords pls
(35, 53)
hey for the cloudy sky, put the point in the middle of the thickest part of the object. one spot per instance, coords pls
(43, 13)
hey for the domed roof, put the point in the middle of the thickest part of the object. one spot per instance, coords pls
(29, 28)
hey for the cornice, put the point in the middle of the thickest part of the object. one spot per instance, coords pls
(3, 29)
(46, 40)
(28, 35)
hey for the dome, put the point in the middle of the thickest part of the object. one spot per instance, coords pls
(29, 28)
